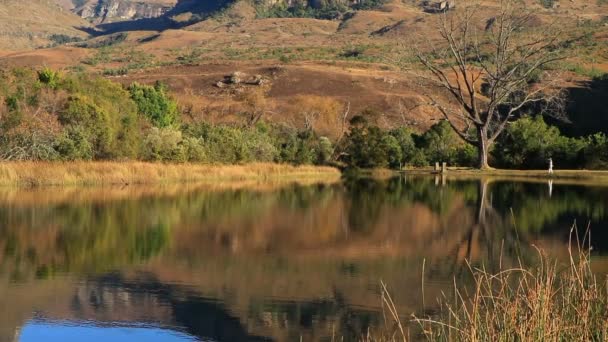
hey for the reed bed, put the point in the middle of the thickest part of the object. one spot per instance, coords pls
(123, 173)
(550, 302)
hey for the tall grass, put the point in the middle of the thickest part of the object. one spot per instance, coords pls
(550, 302)
(121, 173)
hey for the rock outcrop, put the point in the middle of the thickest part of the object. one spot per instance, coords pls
(310, 3)
(104, 11)
(101, 11)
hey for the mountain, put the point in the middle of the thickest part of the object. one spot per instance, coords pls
(100, 11)
(341, 50)
(108, 11)
(36, 23)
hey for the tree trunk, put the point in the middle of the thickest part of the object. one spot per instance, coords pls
(483, 147)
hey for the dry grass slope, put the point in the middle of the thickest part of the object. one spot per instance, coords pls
(28, 24)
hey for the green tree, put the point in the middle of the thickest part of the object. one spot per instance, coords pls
(366, 146)
(529, 142)
(405, 139)
(440, 143)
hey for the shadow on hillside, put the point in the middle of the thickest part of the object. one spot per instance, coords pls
(587, 108)
(198, 9)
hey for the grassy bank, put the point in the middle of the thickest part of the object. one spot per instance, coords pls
(124, 173)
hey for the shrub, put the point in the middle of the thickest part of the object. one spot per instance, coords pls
(103, 113)
(325, 151)
(164, 144)
(49, 77)
(366, 146)
(529, 142)
(154, 104)
(409, 151)
(596, 151)
(60, 39)
(392, 148)
(194, 150)
(93, 123)
(441, 144)
(548, 3)
(232, 145)
(73, 144)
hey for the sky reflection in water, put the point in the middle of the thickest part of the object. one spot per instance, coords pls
(39, 330)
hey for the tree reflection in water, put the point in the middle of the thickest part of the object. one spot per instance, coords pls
(275, 263)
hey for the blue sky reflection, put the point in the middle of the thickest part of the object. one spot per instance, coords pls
(78, 331)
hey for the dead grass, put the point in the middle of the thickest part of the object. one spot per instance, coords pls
(551, 302)
(123, 173)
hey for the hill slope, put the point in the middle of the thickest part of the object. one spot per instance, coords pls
(31, 23)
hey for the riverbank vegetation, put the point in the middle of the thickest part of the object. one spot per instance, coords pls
(526, 144)
(46, 115)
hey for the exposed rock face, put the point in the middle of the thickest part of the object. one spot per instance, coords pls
(311, 3)
(112, 10)
(103, 11)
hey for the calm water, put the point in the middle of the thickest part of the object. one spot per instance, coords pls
(265, 262)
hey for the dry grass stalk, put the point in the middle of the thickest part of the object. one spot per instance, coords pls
(550, 302)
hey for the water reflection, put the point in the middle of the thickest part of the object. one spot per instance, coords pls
(39, 330)
(265, 263)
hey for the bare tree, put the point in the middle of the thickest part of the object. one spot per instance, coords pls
(491, 68)
(257, 106)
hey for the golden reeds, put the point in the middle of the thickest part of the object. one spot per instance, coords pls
(122, 173)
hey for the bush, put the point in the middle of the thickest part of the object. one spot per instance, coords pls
(233, 145)
(409, 152)
(49, 77)
(93, 124)
(106, 113)
(73, 144)
(441, 144)
(325, 151)
(529, 142)
(367, 146)
(154, 104)
(391, 147)
(596, 151)
(164, 144)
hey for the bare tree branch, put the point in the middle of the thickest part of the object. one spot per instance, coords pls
(492, 69)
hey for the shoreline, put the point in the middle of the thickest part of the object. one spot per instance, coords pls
(38, 174)
(96, 173)
(599, 177)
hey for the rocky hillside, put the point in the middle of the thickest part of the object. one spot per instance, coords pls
(100, 11)
(104, 11)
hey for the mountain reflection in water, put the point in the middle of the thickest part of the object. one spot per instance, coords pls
(265, 262)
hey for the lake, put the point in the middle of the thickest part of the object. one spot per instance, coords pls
(268, 262)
